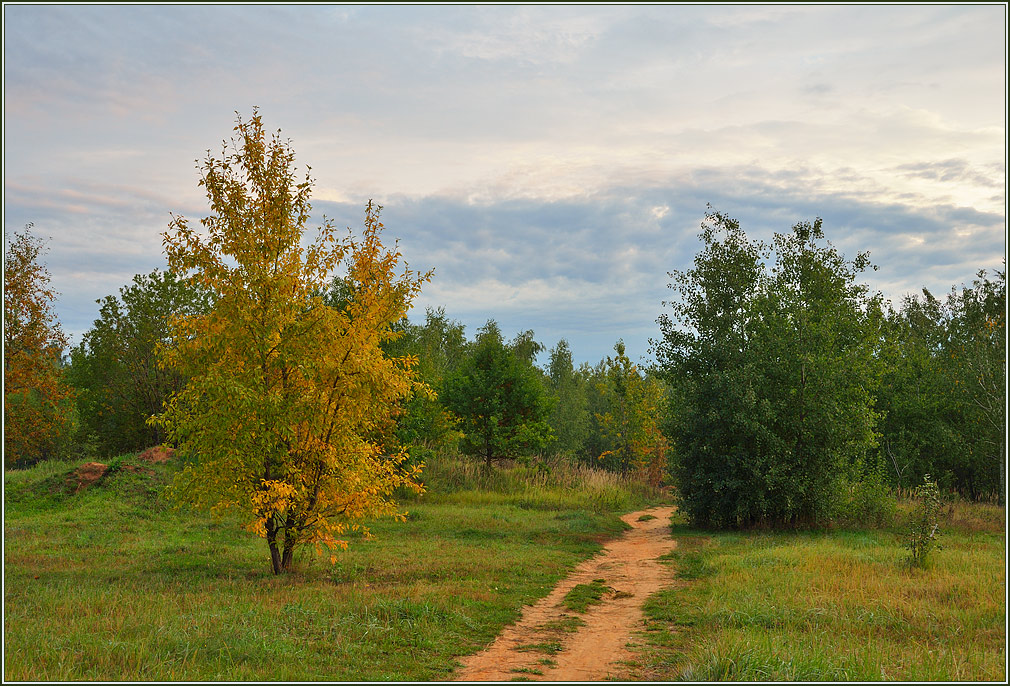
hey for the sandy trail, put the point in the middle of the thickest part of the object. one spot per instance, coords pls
(629, 567)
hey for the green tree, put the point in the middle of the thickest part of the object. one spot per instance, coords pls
(921, 418)
(942, 396)
(499, 398)
(38, 402)
(114, 369)
(288, 409)
(425, 426)
(569, 418)
(977, 345)
(778, 371)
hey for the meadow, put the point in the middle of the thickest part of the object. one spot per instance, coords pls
(113, 583)
(837, 605)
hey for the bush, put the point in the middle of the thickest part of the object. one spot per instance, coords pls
(867, 501)
(924, 523)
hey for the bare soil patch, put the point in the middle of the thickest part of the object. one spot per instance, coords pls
(85, 475)
(553, 644)
(158, 453)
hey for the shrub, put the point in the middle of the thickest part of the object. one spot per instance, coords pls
(924, 524)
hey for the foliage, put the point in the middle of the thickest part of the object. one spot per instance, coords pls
(629, 424)
(978, 357)
(942, 395)
(425, 426)
(777, 371)
(38, 403)
(924, 523)
(115, 370)
(569, 418)
(289, 403)
(498, 396)
(865, 498)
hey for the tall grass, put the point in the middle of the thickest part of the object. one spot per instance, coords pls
(541, 483)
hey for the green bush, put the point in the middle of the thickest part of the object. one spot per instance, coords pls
(924, 523)
(866, 501)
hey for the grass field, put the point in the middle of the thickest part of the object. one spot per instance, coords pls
(113, 584)
(837, 606)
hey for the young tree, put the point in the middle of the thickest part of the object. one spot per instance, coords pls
(497, 394)
(569, 418)
(629, 425)
(439, 344)
(114, 369)
(287, 412)
(37, 400)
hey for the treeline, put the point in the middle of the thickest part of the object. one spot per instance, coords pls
(779, 382)
(483, 396)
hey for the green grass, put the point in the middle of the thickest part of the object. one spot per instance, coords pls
(112, 583)
(839, 606)
(547, 647)
(583, 595)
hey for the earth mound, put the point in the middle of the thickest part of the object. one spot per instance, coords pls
(85, 475)
(158, 453)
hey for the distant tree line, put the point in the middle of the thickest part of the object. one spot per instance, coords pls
(779, 380)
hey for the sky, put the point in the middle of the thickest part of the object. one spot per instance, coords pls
(551, 163)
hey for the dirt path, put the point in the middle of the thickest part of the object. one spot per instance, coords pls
(545, 644)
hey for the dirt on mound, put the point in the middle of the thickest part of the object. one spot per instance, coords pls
(85, 475)
(158, 453)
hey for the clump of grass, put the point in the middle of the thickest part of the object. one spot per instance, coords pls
(583, 595)
(566, 624)
(547, 647)
(526, 670)
(646, 518)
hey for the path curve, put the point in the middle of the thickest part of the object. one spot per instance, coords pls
(629, 566)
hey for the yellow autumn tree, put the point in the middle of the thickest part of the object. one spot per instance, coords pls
(37, 399)
(287, 415)
(630, 423)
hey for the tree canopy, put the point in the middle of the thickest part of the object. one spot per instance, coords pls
(37, 399)
(288, 408)
(499, 398)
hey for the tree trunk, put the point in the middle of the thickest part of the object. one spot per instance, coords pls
(275, 553)
(289, 553)
(1001, 499)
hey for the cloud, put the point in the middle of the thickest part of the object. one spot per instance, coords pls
(552, 163)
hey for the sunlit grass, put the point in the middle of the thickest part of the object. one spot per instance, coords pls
(841, 606)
